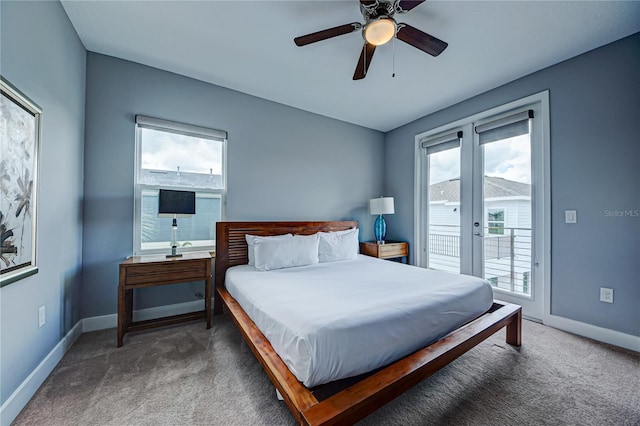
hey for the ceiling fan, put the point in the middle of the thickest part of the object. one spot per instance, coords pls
(378, 29)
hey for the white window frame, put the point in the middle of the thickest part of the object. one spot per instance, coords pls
(541, 188)
(139, 188)
(443, 138)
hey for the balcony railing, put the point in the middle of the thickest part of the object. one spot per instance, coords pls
(495, 247)
(507, 256)
(446, 245)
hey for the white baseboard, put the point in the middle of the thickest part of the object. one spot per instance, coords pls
(623, 340)
(111, 321)
(99, 323)
(21, 396)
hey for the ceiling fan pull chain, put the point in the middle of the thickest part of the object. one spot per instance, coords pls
(393, 56)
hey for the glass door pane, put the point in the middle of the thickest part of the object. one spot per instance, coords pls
(507, 260)
(444, 210)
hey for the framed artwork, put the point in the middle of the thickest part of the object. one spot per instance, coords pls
(19, 146)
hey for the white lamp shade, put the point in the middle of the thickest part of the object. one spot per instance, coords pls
(382, 205)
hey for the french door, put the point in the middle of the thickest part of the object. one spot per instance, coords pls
(480, 204)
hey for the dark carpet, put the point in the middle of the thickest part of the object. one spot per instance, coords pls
(187, 375)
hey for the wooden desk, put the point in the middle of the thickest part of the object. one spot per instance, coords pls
(157, 270)
(388, 250)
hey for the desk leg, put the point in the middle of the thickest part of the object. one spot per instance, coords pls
(207, 300)
(121, 314)
(125, 312)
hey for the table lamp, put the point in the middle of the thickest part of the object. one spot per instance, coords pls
(380, 206)
(176, 204)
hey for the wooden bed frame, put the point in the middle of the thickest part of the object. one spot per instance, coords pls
(364, 397)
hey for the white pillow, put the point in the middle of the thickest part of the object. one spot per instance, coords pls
(251, 239)
(299, 250)
(340, 245)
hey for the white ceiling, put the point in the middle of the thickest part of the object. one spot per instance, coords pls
(248, 46)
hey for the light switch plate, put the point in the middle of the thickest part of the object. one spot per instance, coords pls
(41, 317)
(570, 216)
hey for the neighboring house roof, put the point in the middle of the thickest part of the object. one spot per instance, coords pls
(185, 179)
(495, 187)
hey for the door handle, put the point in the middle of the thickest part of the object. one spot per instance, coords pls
(476, 229)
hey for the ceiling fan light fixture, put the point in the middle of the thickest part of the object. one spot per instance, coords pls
(380, 31)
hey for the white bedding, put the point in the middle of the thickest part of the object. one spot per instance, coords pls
(334, 320)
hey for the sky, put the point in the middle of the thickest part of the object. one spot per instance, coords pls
(508, 159)
(168, 151)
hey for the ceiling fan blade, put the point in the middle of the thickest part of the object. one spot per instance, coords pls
(407, 5)
(364, 61)
(328, 33)
(421, 40)
(367, 2)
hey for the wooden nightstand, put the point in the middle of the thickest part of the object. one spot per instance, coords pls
(388, 250)
(156, 270)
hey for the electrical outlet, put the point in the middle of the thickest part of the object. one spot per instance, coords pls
(41, 317)
(570, 216)
(606, 295)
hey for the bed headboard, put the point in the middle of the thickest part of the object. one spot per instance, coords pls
(231, 246)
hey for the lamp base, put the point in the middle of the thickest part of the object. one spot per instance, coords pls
(174, 239)
(380, 229)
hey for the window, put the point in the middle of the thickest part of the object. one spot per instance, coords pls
(525, 281)
(495, 221)
(178, 156)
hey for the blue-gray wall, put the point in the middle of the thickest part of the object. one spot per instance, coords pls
(283, 164)
(41, 55)
(595, 157)
(289, 164)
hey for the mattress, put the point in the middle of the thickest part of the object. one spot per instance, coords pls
(335, 320)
